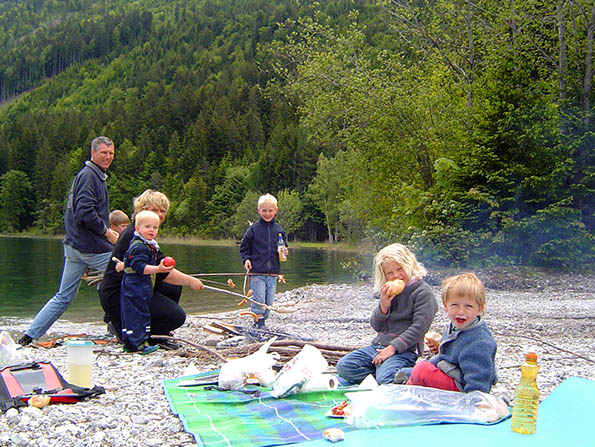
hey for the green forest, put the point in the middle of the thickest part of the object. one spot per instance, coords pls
(464, 129)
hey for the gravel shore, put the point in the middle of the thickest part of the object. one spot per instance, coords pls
(553, 315)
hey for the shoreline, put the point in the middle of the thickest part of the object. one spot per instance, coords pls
(135, 412)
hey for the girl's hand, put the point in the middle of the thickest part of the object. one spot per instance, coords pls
(383, 354)
(119, 266)
(385, 298)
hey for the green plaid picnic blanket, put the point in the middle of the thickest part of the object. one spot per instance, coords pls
(234, 418)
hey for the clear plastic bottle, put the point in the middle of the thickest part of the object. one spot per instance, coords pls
(281, 248)
(526, 398)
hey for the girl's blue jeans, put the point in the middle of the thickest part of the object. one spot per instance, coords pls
(357, 365)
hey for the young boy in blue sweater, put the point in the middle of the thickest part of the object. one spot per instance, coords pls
(467, 351)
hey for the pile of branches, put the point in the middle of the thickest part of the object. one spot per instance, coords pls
(288, 349)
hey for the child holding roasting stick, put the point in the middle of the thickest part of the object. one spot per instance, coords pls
(262, 248)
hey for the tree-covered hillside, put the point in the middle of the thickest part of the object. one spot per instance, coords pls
(464, 129)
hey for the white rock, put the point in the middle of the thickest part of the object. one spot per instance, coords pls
(12, 416)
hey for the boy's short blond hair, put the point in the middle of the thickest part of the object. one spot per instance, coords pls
(464, 284)
(400, 254)
(144, 215)
(118, 217)
(267, 198)
(151, 199)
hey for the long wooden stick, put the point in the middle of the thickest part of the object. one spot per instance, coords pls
(245, 297)
(198, 275)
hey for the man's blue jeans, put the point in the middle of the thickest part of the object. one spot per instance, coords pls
(263, 288)
(75, 264)
(357, 365)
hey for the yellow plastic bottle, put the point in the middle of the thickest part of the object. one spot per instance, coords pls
(281, 248)
(526, 398)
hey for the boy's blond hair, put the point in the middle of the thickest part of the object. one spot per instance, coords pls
(464, 284)
(400, 254)
(118, 217)
(151, 199)
(143, 215)
(267, 198)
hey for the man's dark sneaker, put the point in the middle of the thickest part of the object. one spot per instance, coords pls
(25, 340)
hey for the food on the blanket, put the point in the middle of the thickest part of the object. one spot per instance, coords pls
(168, 261)
(396, 286)
(39, 401)
(343, 409)
(333, 434)
(230, 283)
(492, 410)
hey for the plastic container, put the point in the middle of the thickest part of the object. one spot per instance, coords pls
(281, 248)
(80, 363)
(526, 398)
(9, 354)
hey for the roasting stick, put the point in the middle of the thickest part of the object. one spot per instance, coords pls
(234, 274)
(247, 298)
(244, 297)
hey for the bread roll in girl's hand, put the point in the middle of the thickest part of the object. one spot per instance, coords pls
(395, 287)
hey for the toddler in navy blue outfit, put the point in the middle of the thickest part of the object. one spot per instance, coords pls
(139, 264)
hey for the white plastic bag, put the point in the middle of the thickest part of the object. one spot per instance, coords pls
(9, 355)
(394, 405)
(257, 367)
(307, 363)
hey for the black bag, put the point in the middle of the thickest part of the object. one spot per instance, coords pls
(18, 383)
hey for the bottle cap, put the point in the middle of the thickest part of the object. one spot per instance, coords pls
(531, 356)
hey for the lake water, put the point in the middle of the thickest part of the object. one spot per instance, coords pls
(30, 271)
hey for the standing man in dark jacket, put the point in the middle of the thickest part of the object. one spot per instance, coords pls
(264, 244)
(89, 241)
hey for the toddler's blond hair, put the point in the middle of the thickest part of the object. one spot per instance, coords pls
(144, 215)
(464, 284)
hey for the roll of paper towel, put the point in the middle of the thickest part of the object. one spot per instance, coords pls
(320, 382)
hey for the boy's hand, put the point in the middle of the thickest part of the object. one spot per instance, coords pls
(433, 339)
(383, 354)
(247, 265)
